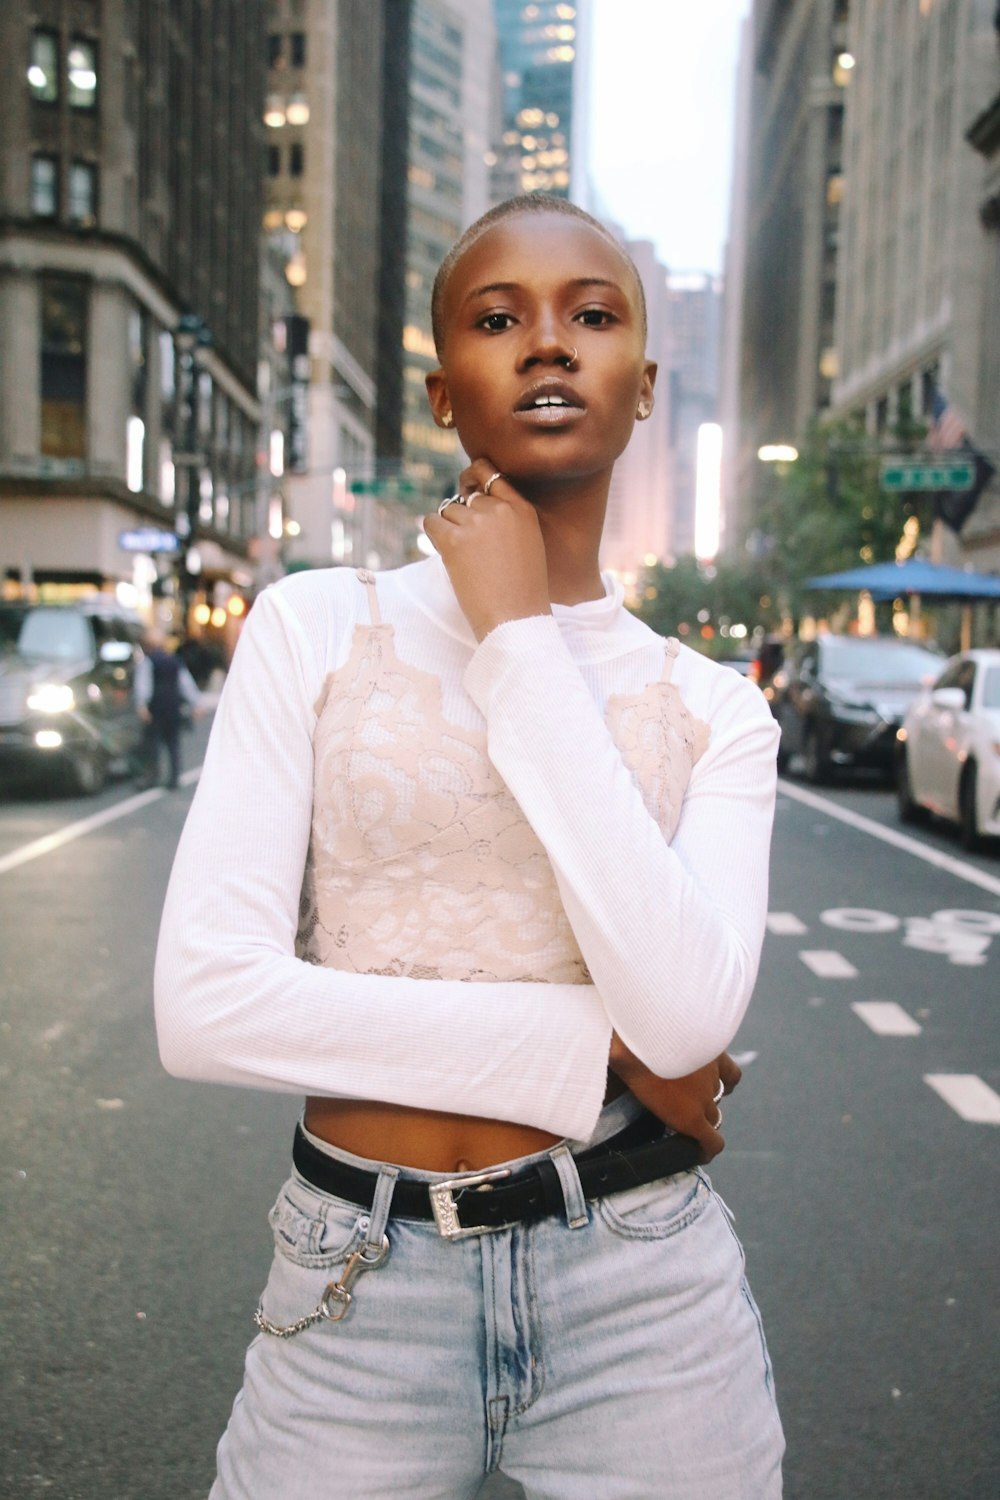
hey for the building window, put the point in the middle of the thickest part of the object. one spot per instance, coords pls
(274, 50)
(296, 159)
(43, 69)
(44, 186)
(297, 41)
(274, 161)
(81, 193)
(63, 367)
(81, 67)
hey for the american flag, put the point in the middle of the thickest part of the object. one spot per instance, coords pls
(948, 430)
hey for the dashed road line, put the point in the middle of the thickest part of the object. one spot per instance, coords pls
(968, 1096)
(70, 831)
(785, 924)
(886, 1018)
(957, 867)
(826, 963)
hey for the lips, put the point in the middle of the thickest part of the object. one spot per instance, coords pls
(549, 402)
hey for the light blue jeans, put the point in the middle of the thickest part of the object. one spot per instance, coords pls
(614, 1353)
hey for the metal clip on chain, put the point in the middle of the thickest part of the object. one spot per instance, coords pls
(336, 1300)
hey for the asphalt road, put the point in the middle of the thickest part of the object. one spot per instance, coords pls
(865, 1199)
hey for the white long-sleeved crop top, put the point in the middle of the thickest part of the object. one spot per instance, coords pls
(437, 873)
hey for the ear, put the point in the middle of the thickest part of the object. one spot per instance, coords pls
(437, 395)
(648, 379)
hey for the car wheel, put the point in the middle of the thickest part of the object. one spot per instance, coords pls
(88, 772)
(815, 760)
(910, 811)
(968, 822)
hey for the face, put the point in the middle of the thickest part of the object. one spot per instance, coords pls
(523, 297)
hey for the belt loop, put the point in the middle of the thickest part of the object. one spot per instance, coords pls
(561, 1158)
(381, 1204)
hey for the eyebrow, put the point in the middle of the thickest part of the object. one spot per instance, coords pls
(514, 286)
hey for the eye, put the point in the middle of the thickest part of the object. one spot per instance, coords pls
(496, 322)
(596, 317)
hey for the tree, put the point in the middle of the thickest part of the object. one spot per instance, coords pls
(827, 510)
(698, 602)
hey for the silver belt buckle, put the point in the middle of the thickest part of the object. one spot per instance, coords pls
(445, 1208)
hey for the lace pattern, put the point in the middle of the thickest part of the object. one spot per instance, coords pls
(421, 862)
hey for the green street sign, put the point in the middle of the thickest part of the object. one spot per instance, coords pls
(898, 474)
(382, 487)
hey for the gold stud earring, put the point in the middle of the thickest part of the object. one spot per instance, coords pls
(643, 410)
(447, 420)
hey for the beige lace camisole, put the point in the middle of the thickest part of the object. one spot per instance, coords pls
(420, 861)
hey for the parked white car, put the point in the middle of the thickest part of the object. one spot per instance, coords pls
(948, 755)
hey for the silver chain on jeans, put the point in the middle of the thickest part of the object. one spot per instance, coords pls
(336, 1300)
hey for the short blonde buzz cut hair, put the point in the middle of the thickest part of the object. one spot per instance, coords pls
(526, 203)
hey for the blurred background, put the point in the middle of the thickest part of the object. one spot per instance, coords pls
(219, 225)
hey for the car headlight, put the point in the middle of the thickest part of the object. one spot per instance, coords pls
(51, 698)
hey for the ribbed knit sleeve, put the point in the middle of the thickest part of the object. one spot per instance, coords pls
(671, 932)
(234, 1004)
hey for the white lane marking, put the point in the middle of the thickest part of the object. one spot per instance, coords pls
(858, 919)
(886, 1018)
(744, 1059)
(785, 924)
(948, 862)
(968, 1096)
(827, 964)
(960, 945)
(71, 831)
(969, 921)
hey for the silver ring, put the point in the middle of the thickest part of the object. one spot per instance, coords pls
(451, 500)
(491, 481)
(719, 1093)
(718, 1121)
(476, 494)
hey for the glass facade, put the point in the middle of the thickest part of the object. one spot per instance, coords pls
(538, 49)
(63, 373)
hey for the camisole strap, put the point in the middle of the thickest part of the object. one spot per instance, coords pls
(368, 579)
(673, 647)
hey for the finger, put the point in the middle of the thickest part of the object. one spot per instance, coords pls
(711, 1142)
(730, 1072)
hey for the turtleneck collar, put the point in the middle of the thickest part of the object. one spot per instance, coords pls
(427, 585)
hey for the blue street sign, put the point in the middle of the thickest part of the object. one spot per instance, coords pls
(148, 539)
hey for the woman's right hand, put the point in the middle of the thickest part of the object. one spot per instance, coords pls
(688, 1105)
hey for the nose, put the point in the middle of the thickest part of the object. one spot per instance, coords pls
(547, 344)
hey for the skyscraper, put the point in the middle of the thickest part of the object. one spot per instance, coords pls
(541, 55)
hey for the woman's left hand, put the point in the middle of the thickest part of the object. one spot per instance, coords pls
(493, 551)
(689, 1105)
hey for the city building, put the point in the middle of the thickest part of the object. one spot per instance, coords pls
(735, 503)
(338, 219)
(981, 534)
(917, 299)
(454, 110)
(130, 201)
(638, 526)
(792, 182)
(543, 49)
(694, 332)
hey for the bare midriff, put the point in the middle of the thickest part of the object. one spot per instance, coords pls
(427, 1139)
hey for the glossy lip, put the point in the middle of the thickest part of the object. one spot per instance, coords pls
(549, 416)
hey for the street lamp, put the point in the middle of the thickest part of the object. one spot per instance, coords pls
(191, 334)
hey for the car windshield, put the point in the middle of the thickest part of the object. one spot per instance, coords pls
(878, 661)
(991, 688)
(55, 635)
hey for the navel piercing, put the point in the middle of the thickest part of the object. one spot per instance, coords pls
(447, 420)
(643, 410)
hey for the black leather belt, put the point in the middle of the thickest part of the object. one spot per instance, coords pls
(477, 1202)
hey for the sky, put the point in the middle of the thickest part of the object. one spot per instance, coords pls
(662, 92)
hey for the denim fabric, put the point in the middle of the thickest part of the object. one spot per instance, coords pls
(621, 1359)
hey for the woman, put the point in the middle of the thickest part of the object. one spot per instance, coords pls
(530, 842)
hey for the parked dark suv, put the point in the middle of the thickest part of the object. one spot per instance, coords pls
(66, 689)
(841, 698)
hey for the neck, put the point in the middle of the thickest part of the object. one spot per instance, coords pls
(571, 517)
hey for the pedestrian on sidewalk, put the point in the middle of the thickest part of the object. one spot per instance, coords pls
(478, 863)
(165, 693)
